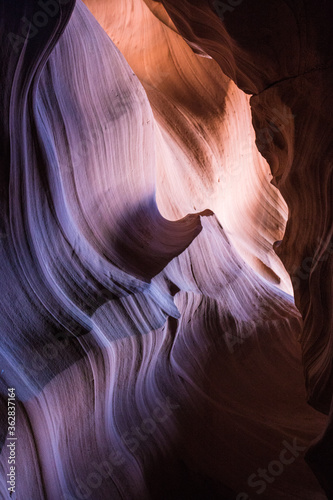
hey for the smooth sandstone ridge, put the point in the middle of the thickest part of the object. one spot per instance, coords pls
(166, 249)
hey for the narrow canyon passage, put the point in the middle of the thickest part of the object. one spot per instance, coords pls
(166, 245)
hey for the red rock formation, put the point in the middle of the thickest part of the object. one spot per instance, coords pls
(155, 353)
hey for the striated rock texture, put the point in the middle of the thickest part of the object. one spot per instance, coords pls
(166, 189)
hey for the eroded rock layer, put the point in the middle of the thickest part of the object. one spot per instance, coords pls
(158, 160)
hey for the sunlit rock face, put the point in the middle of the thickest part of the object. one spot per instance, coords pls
(166, 190)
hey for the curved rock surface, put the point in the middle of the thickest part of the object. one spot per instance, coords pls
(158, 160)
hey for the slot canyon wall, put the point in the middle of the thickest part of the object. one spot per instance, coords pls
(166, 250)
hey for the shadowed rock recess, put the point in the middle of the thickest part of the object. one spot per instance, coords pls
(166, 244)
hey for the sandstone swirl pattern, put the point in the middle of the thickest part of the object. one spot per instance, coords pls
(157, 158)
